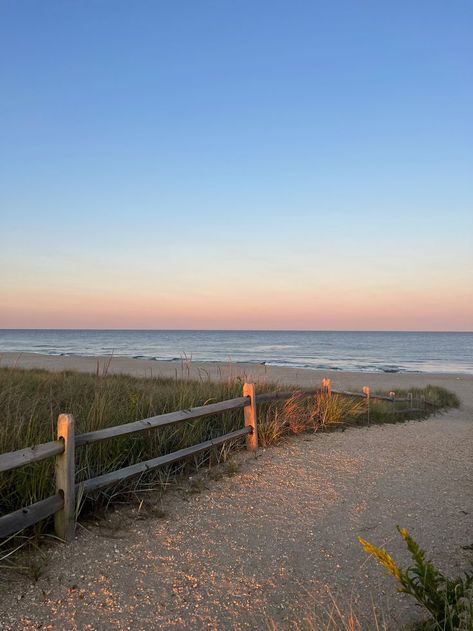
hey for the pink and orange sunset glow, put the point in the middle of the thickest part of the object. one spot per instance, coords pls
(324, 303)
(250, 198)
(236, 315)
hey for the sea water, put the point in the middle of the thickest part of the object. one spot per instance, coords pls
(334, 350)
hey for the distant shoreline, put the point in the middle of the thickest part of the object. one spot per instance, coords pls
(461, 384)
(205, 362)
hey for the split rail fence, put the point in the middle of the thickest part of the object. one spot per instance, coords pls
(63, 504)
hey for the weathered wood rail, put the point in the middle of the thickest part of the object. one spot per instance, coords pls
(63, 504)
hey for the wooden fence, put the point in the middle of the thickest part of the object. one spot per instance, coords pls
(63, 504)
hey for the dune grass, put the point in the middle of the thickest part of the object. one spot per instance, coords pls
(426, 400)
(31, 400)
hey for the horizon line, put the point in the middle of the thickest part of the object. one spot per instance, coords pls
(237, 330)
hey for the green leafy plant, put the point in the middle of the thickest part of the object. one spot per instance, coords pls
(448, 601)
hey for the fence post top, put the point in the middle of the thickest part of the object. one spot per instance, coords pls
(65, 418)
(327, 385)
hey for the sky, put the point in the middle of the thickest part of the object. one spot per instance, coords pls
(236, 164)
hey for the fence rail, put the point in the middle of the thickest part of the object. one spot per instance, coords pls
(161, 420)
(24, 517)
(63, 504)
(18, 458)
(142, 467)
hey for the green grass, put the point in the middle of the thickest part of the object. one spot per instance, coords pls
(30, 401)
(430, 399)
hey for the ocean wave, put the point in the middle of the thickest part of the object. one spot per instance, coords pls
(155, 358)
(380, 352)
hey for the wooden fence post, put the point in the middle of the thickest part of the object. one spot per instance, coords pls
(64, 519)
(327, 386)
(250, 417)
(366, 392)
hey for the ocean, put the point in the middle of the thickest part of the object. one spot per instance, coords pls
(333, 350)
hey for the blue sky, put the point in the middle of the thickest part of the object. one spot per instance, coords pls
(152, 150)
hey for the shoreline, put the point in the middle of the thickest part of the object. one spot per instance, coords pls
(184, 360)
(460, 383)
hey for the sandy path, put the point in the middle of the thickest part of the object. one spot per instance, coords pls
(269, 542)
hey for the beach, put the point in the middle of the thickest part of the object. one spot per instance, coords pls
(277, 539)
(236, 323)
(461, 384)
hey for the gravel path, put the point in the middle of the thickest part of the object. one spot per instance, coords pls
(276, 540)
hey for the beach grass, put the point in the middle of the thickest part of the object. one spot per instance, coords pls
(427, 400)
(31, 400)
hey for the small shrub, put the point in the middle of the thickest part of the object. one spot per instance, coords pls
(449, 602)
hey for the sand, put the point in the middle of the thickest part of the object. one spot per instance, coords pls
(459, 383)
(278, 539)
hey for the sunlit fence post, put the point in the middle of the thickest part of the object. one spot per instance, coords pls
(327, 386)
(64, 519)
(250, 417)
(366, 392)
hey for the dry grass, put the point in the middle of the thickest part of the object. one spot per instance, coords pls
(30, 401)
(299, 414)
(337, 617)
